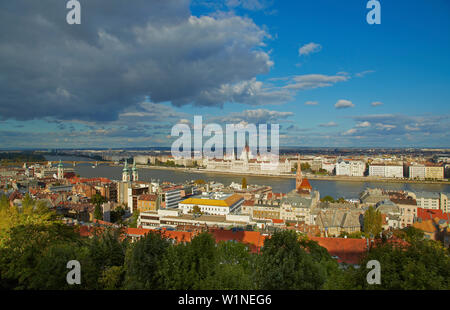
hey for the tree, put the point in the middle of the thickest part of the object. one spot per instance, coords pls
(305, 166)
(416, 265)
(117, 214)
(98, 200)
(327, 199)
(142, 262)
(25, 246)
(134, 219)
(190, 266)
(244, 183)
(98, 214)
(285, 265)
(196, 210)
(373, 222)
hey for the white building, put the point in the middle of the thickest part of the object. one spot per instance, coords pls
(417, 172)
(213, 203)
(354, 168)
(328, 166)
(174, 218)
(172, 196)
(386, 171)
(427, 200)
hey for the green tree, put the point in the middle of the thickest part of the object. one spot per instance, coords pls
(284, 264)
(112, 278)
(190, 266)
(117, 214)
(98, 200)
(134, 219)
(23, 249)
(98, 214)
(305, 166)
(196, 210)
(327, 199)
(373, 222)
(418, 265)
(142, 262)
(235, 268)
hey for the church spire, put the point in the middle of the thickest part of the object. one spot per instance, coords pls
(299, 177)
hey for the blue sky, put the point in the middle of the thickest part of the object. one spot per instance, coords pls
(229, 61)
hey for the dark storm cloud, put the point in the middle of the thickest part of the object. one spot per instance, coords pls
(121, 52)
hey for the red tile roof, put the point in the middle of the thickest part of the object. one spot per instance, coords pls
(349, 250)
(429, 214)
(252, 238)
(305, 184)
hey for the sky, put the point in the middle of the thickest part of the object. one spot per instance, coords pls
(133, 69)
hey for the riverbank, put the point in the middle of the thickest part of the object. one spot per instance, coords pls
(292, 176)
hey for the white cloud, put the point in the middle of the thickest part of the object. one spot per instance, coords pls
(309, 49)
(363, 73)
(311, 81)
(311, 103)
(376, 103)
(349, 132)
(258, 116)
(363, 124)
(410, 128)
(385, 126)
(329, 124)
(343, 104)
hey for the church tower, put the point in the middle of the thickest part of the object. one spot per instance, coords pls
(299, 177)
(135, 172)
(60, 171)
(126, 172)
(301, 184)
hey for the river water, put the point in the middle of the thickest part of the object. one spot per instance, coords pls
(335, 189)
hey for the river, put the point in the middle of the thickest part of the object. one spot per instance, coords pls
(332, 188)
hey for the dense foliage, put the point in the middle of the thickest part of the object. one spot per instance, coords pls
(35, 248)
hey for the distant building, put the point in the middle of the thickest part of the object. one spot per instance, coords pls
(427, 200)
(386, 171)
(147, 202)
(171, 196)
(334, 222)
(426, 171)
(353, 168)
(391, 213)
(60, 171)
(213, 203)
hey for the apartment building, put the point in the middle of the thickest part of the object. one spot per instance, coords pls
(386, 171)
(353, 168)
(175, 218)
(434, 171)
(426, 171)
(172, 196)
(408, 210)
(427, 200)
(213, 203)
(147, 202)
